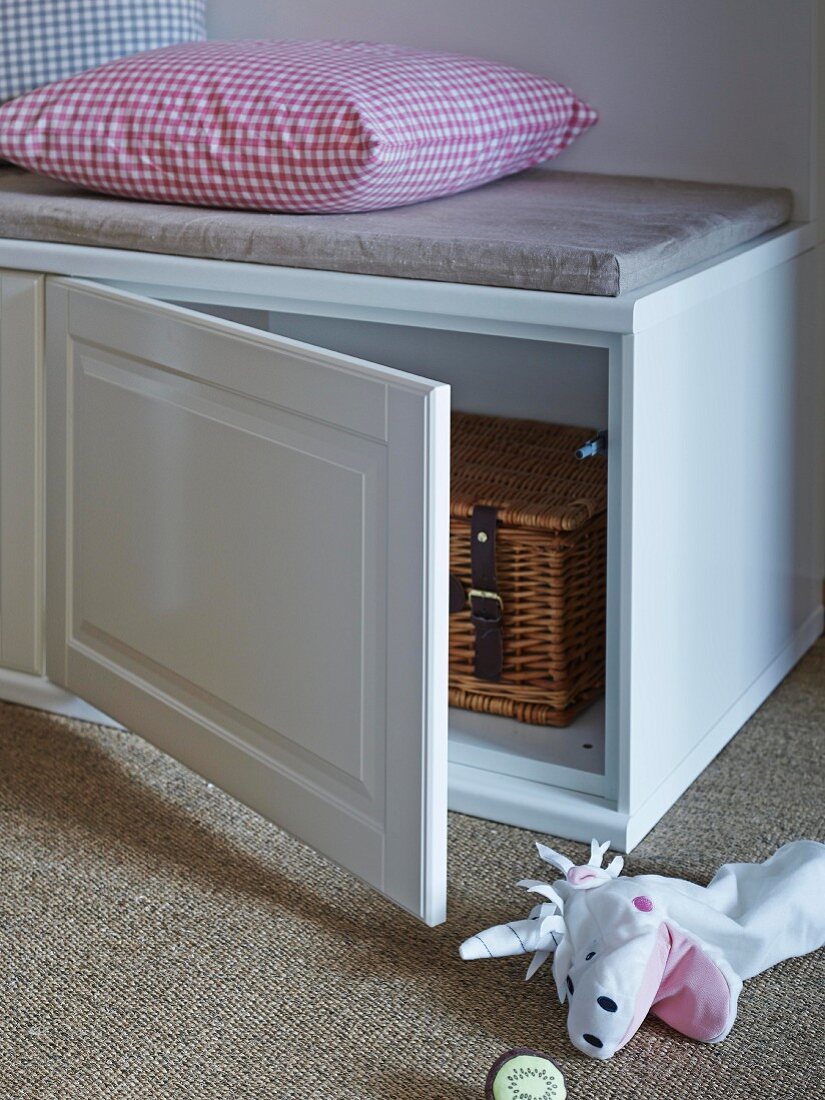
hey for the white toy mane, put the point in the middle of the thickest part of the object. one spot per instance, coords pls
(543, 932)
(552, 927)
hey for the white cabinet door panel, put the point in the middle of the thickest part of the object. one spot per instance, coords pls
(251, 570)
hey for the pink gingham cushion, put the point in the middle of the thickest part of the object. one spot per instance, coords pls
(291, 126)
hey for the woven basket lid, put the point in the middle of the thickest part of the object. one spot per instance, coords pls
(527, 470)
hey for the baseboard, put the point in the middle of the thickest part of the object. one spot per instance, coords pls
(511, 800)
(42, 694)
(536, 806)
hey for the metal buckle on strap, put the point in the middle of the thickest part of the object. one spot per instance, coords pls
(483, 594)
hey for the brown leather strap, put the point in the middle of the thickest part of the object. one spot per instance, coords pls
(485, 602)
(458, 597)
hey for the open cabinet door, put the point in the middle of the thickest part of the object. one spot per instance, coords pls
(248, 566)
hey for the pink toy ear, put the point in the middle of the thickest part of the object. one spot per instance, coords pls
(683, 987)
(693, 996)
(650, 983)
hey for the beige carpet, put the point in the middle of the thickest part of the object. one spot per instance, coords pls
(159, 940)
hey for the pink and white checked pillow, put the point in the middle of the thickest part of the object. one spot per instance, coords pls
(292, 126)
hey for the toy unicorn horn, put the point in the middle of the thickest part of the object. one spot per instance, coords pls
(623, 947)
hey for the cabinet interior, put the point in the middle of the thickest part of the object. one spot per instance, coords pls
(558, 382)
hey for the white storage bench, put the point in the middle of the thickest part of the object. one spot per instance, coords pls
(247, 477)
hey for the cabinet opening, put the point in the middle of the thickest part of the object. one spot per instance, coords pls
(560, 383)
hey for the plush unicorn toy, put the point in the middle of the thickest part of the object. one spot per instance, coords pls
(624, 947)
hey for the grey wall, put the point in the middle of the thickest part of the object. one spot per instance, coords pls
(707, 89)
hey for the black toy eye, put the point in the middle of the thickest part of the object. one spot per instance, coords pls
(589, 956)
(569, 984)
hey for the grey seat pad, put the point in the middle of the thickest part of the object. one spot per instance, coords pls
(540, 230)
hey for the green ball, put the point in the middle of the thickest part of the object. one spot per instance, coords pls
(524, 1074)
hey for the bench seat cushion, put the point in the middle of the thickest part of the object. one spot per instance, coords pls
(547, 230)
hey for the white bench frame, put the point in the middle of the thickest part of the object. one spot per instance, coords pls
(697, 365)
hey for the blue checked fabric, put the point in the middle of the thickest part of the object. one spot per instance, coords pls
(46, 40)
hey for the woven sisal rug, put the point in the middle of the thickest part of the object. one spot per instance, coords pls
(161, 941)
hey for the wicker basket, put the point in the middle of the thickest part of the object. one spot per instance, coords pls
(550, 560)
